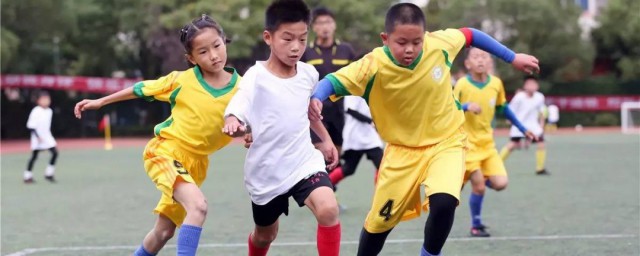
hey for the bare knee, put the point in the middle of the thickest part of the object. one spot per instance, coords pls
(164, 234)
(198, 207)
(327, 213)
(499, 183)
(264, 238)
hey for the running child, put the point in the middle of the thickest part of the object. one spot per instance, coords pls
(177, 158)
(39, 124)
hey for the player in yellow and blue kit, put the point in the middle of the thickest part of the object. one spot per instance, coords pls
(482, 95)
(407, 84)
(177, 158)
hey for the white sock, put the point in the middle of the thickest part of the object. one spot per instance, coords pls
(49, 171)
(27, 175)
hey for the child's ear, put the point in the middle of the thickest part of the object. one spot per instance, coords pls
(385, 37)
(266, 36)
(190, 58)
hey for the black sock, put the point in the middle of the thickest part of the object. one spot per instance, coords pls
(442, 208)
(32, 160)
(371, 243)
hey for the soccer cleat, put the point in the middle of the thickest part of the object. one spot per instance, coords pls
(50, 179)
(479, 232)
(543, 172)
(29, 181)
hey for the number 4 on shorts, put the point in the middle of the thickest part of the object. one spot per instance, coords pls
(385, 212)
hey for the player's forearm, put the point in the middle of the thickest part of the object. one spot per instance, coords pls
(323, 90)
(122, 95)
(513, 119)
(321, 131)
(481, 40)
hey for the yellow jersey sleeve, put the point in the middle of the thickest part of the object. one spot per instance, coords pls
(457, 89)
(160, 89)
(451, 40)
(502, 98)
(355, 78)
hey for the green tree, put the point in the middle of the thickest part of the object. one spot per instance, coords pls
(546, 29)
(618, 37)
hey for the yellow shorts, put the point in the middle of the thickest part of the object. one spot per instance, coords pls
(165, 163)
(439, 167)
(490, 164)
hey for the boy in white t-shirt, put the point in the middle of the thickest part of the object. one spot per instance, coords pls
(529, 106)
(359, 138)
(39, 124)
(272, 100)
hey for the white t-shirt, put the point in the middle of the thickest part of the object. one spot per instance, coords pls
(358, 135)
(276, 110)
(528, 111)
(554, 114)
(40, 121)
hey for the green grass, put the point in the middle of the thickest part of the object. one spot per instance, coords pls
(105, 199)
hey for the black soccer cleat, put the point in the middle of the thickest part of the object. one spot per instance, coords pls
(29, 181)
(50, 179)
(479, 232)
(543, 172)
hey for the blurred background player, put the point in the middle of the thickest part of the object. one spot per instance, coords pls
(177, 158)
(482, 95)
(328, 54)
(407, 84)
(528, 106)
(39, 124)
(360, 138)
(282, 162)
(553, 116)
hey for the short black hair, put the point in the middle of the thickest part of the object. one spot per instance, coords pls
(43, 94)
(286, 11)
(532, 77)
(321, 11)
(404, 13)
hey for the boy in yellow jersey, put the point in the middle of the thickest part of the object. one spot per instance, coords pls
(481, 95)
(407, 84)
(177, 158)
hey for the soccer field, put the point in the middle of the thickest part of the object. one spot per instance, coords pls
(102, 205)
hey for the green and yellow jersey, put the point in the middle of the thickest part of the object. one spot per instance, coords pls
(197, 109)
(411, 105)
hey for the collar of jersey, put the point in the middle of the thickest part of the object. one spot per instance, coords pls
(213, 91)
(410, 67)
(480, 85)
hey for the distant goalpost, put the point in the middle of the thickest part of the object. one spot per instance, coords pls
(630, 117)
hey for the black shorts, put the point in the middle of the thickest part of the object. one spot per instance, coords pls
(518, 139)
(333, 120)
(265, 215)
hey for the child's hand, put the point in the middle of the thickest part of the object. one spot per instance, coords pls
(474, 108)
(526, 63)
(86, 105)
(248, 140)
(531, 136)
(330, 154)
(233, 127)
(315, 110)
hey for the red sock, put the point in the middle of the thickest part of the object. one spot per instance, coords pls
(255, 251)
(329, 240)
(336, 175)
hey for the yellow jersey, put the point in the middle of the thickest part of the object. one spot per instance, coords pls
(197, 109)
(411, 105)
(489, 95)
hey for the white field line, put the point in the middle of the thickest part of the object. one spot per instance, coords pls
(30, 251)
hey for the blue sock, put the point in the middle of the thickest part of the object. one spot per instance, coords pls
(487, 183)
(424, 252)
(142, 252)
(188, 239)
(475, 204)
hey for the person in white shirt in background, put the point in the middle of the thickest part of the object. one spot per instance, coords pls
(553, 116)
(39, 124)
(529, 106)
(272, 103)
(359, 138)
